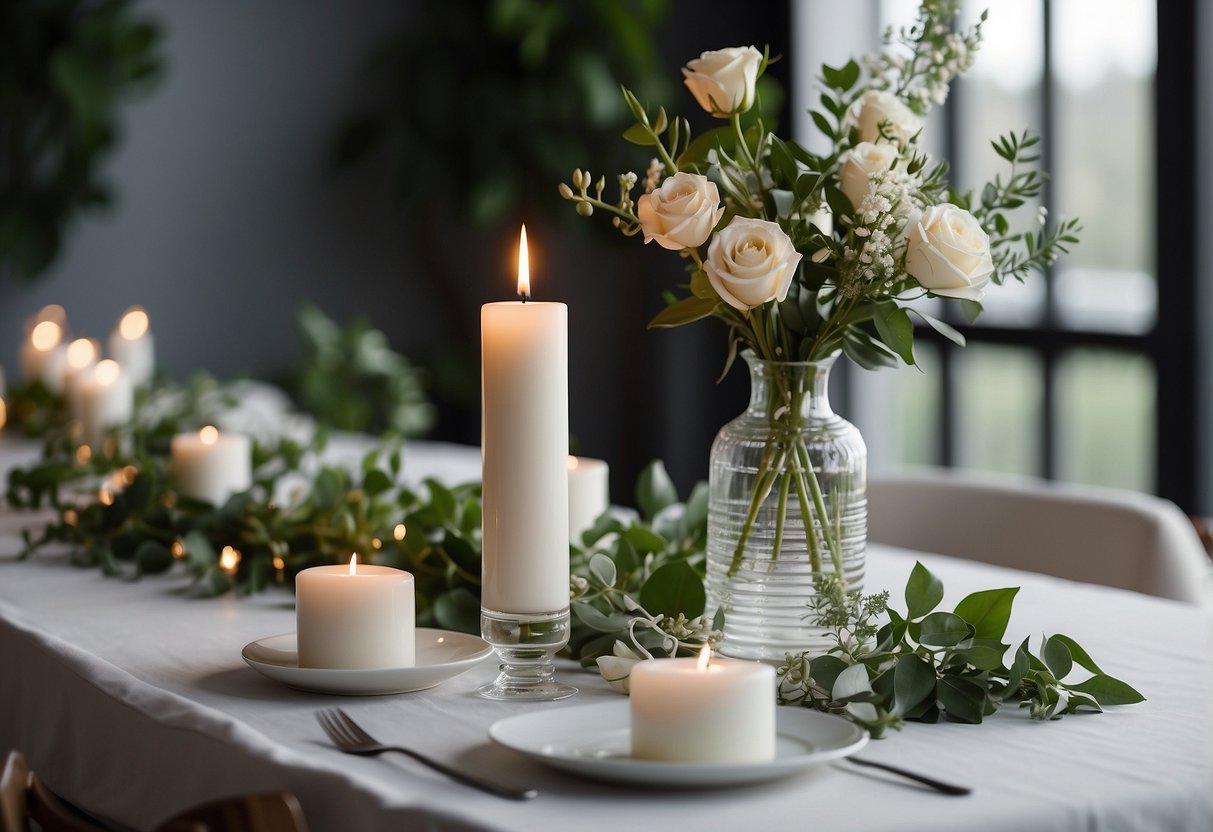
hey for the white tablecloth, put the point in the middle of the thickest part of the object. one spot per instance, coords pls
(133, 701)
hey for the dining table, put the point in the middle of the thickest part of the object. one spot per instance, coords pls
(131, 699)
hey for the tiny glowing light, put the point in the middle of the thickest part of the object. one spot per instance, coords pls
(524, 267)
(52, 312)
(129, 473)
(134, 323)
(573, 463)
(399, 531)
(70, 517)
(108, 372)
(167, 501)
(376, 543)
(209, 435)
(83, 454)
(279, 563)
(705, 657)
(3, 413)
(106, 497)
(442, 639)
(354, 564)
(229, 559)
(81, 353)
(178, 549)
(46, 336)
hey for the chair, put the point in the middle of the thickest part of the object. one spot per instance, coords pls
(23, 798)
(1103, 536)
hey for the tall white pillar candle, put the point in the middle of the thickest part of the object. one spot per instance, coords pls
(105, 400)
(211, 466)
(589, 494)
(43, 356)
(693, 710)
(355, 617)
(525, 447)
(82, 354)
(131, 345)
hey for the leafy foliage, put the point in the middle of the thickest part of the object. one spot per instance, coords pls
(926, 665)
(65, 68)
(351, 379)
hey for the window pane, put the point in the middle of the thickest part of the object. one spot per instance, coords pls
(1104, 56)
(1105, 419)
(999, 395)
(1000, 95)
(897, 411)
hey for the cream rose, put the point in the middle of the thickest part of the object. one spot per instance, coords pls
(860, 164)
(681, 213)
(723, 81)
(877, 106)
(751, 262)
(948, 252)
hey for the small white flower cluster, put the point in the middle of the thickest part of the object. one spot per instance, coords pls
(653, 176)
(879, 220)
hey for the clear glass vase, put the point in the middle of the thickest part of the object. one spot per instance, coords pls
(787, 458)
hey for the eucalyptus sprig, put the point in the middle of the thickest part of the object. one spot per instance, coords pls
(925, 665)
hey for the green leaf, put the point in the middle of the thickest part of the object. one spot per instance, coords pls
(971, 309)
(896, 329)
(988, 611)
(943, 629)
(913, 682)
(153, 557)
(946, 330)
(654, 489)
(1077, 653)
(1057, 658)
(1108, 690)
(962, 699)
(376, 482)
(603, 568)
(983, 654)
(685, 311)
(923, 592)
(825, 670)
(645, 540)
(672, 589)
(458, 609)
(596, 619)
(639, 134)
(851, 682)
(1019, 670)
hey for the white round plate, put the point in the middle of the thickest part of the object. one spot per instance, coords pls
(595, 741)
(441, 654)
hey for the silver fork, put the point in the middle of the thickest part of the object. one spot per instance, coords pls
(349, 737)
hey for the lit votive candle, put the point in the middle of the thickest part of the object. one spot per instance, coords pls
(3, 406)
(104, 400)
(589, 494)
(211, 466)
(355, 617)
(82, 354)
(703, 710)
(43, 356)
(132, 345)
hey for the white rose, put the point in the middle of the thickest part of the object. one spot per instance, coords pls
(751, 262)
(860, 164)
(681, 213)
(948, 252)
(877, 106)
(723, 81)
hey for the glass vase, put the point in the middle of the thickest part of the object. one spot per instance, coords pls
(787, 508)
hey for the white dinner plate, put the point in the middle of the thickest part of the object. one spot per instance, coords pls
(441, 654)
(595, 741)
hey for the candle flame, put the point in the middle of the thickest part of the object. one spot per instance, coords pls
(134, 323)
(399, 532)
(705, 657)
(81, 353)
(354, 564)
(108, 372)
(209, 435)
(573, 463)
(524, 266)
(52, 312)
(178, 549)
(3, 413)
(229, 559)
(46, 336)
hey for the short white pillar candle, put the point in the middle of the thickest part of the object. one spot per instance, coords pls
(43, 356)
(104, 400)
(589, 494)
(696, 710)
(82, 355)
(132, 345)
(355, 617)
(211, 466)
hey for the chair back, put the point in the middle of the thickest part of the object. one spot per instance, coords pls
(1116, 538)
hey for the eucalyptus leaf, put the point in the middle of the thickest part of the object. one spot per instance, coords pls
(923, 592)
(655, 490)
(943, 629)
(672, 589)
